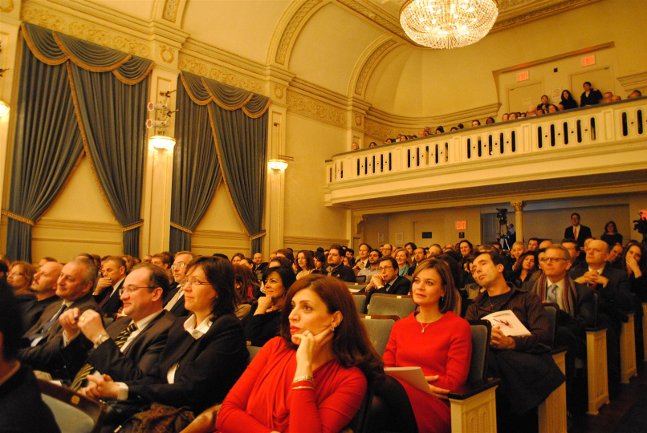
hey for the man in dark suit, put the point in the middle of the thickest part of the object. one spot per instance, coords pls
(576, 231)
(174, 300)
(44, 288)
(388, 280)
(576, 308)
(106, 293)
(74, 287)
(336, 265)
(614, 299)
(130, 347)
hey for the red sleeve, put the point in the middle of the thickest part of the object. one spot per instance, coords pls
(458, 356)
(232, 417)
(335, 412)
(390, 352)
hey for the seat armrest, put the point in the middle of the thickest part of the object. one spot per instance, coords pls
(468, 391)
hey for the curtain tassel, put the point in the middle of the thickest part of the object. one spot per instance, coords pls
(17, 217)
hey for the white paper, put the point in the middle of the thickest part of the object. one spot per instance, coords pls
(412, 375)
(507, 322)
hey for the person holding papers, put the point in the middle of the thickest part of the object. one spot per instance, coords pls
(435, 339)
(521, 358)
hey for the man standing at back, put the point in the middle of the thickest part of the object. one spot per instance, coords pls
(577, 231)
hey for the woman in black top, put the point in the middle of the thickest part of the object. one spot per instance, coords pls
(611, 235)
(567, 100)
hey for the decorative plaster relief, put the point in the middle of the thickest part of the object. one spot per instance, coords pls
(316, 109)
(368, 10)
(167, 53)
(170, 11)
(531, 10)
(220, 73)
(375, 129)
(88, 31)
(370, 64)
(291, 31)
(6, 6)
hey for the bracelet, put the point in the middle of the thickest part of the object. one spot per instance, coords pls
(303, 379)
(303, 387)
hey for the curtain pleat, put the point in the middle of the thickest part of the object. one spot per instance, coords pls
(47, 144)
(196, 172)
(75, 95)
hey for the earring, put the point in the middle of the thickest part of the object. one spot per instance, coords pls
(332, 327)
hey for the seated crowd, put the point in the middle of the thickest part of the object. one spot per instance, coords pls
(166, 338)
(590, 96)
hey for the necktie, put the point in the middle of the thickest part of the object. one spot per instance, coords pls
(35, 339)
(551, 294)
(86, 369)
(387, 286)
(106, 298)
(576, 231)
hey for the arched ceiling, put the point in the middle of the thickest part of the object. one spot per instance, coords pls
(352, 47)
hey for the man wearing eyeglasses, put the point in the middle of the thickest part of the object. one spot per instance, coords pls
(174, 300)
(388, 280)
(576, 309)
(128, 348)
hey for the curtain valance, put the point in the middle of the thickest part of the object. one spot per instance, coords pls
(54, 48)
(203, 90)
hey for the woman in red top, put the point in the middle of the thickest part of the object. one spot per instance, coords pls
(435, 339)
(313, 377)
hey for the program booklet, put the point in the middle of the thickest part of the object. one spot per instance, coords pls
(509, 324)
(412, 375)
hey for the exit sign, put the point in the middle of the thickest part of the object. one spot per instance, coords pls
(588, 60)
(461, 225)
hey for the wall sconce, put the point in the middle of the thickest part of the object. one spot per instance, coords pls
(277, 164)
(4, 109)
(162, 142)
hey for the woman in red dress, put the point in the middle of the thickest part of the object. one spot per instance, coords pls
(313, 377)
(436, 339)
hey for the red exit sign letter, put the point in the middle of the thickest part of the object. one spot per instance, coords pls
(461, 225)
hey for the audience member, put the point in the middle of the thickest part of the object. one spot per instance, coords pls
(577, 231)
(362, 260)
(590, 96)
(611, 235)
(373, 267)
(523, 362)
(21, 406)
(336, 267)
(568, 102)
(129, 348)
(543, 105)
(388, 280)
(524, 267)
(106, 292)
(490, 120)
(387, 249)
(435, 338)
(174, 299)
(635, 94)
(404, 264)
(615, 256)
(313, 377)
(434, 250)
(262, 324)
(204, 355)
(305, 263)
(43, 287)
(635, 259)
(247, 287)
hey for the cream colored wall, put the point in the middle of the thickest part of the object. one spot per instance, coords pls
(79, 220)
(400, 228)
(308, 223)
(421, 82)
(220, 230)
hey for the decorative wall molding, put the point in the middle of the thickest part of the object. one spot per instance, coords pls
(171, 8)
(287, 31)
(368, 62)
(59, 224)
(318, 103)
(513, 13)
(217, 71)
(634, 81)
(6, 6)
(377, 15)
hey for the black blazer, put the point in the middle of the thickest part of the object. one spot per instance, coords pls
(207, 367)
(47, 355)
(344, 273)
(614, 300)
(140, 357)
(582, 235)
(113, 304)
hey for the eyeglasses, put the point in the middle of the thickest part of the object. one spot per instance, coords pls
(132, 289)
(178, 265)
(194, 282)
(384, 268)
(551, 259)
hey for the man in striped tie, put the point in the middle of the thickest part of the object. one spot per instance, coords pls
(127, 349)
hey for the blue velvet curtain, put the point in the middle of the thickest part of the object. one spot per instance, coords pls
(238, 121)
(76, 95)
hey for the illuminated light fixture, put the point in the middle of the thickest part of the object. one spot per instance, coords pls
(162, 142)
(447, 24)
(4, 109)
(277, 164)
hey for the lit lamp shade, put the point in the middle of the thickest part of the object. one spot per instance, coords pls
(162, 142)
(4, 109)
(447, 24)
(277, 164)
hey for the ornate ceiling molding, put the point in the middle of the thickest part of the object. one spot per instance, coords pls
(290, 25)
(367, 63)
(317, 103)
(200, 66)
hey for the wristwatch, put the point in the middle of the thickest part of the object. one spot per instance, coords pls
(100, 339)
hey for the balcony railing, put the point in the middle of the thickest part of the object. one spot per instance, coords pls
(600, 124)
(580, 129)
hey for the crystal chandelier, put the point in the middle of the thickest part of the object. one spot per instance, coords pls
(447, 23)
